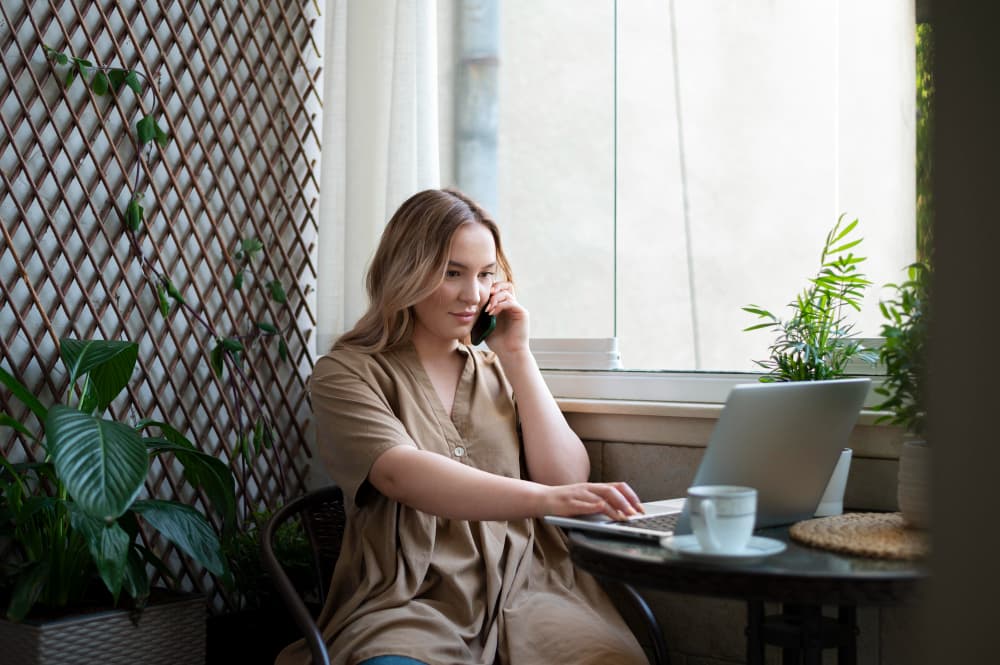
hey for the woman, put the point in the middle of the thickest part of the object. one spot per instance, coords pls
(447, 454)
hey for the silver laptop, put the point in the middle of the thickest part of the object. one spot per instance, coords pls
(782, 438)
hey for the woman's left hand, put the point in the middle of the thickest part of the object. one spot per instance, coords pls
(511, 333)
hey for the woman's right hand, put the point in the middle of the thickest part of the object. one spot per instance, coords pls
(616, 500)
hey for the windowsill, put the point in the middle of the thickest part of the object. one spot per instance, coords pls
(695, 389)
(664, 409)
(690, 424)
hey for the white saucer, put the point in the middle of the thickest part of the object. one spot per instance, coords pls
(687, 546)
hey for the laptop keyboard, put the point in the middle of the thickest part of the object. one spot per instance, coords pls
(654, 522)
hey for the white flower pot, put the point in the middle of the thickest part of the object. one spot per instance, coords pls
(832, 501)
(913, 490)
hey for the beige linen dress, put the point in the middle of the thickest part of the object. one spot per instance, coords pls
(439, 590)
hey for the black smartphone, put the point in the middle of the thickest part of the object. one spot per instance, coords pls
(484, 325)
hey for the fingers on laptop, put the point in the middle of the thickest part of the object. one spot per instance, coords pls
(616, 500)
(631, 496)
(620, 501)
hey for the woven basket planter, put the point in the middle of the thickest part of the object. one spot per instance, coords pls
(170, 631)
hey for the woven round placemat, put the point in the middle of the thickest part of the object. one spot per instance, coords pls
(876, 535)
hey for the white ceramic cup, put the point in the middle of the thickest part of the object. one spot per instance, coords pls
(722, 517)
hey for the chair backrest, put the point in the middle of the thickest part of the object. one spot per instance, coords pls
(322, 516)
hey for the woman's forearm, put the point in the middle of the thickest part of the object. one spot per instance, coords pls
(440, 486)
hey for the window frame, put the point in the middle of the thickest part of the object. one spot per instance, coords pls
(659, 387)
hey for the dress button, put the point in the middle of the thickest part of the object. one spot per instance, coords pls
(459, 451)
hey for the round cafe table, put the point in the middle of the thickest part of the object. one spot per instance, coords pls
(803, 579)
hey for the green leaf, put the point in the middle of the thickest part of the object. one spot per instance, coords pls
(186, 528)
(201, 470)
(81, 66)
(216, 359)
(8, 421)
(753, 309)
(103, 464)
(161, 137)
(232, 344)
(161, 296)
(55, 55)
(6, 465)
(170, 434)
(135, 580)
(116, 77)
(156, 562)
(847, 229)
(38, 505)
(44, 470)
(845, 247)
(277, 291)
(133, 214)
(173, 292)
(19, 391)
(268, 327)
(28, 587)
(251, 246)
(258, 435)
(247, 449)
(70, 77)
(132, 81)
(238, 280)
(99, 84)
(109, 363)
(108, 545)
(282, 349)
(146, 129)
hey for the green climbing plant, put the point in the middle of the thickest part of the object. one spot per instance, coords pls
(227, 350)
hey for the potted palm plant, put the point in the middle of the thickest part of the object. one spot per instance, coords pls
(72, 517)
(818, 340)
(903, 354)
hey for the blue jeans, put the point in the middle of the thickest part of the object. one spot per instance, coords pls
(392, 660)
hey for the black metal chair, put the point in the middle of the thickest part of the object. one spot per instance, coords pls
(322, 515)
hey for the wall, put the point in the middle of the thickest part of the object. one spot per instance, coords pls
(656, 448)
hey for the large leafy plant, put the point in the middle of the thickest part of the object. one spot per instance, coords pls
(903, 352)
(818, 340)
(73, 516)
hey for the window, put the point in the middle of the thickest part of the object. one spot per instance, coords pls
(658, 165)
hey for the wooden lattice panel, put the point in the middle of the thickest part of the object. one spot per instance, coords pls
(235, 86)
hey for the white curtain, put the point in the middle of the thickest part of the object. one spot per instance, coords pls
(380, 140)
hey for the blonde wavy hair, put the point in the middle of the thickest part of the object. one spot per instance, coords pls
(410, 263)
